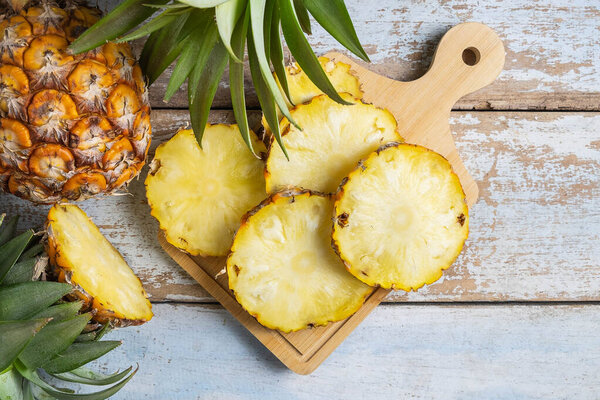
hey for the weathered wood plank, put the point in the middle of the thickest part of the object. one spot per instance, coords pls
(552, 60)
(534, 232)
(421, 352)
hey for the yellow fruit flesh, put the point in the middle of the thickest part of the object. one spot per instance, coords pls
(199, 195)
(93, 264)
(333, 139)
(283, 270)
(401, 218)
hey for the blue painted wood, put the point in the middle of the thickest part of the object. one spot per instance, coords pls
(399, 351)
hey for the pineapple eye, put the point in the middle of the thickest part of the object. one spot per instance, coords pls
(51, 161)
(91, 82)
(84, 185)
(120, 153)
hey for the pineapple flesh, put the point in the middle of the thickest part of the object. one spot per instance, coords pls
(400, 218)
(215, 186)
(70, 126)
(302, 89)
(334, 137)
(283, 270)
(81, 256)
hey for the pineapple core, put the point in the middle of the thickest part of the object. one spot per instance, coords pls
(83, 257)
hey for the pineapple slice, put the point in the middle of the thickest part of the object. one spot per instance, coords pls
(333, 139)
(302, 89)
(81, 256)
(199, 195)
(283, 270)
(400, 218)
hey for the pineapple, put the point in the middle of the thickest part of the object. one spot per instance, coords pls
(103, 281)
(333, 139)
(71, 126)
(282, 268)
(302, 89)
(215, 186)
(40, 331)
(400, 218)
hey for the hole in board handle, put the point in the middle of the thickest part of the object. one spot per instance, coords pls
(471, 56)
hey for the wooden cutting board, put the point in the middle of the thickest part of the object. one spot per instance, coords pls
(469, 57)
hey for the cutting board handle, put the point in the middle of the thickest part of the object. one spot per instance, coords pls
(473, 53)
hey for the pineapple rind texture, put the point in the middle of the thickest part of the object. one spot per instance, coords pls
(80, 255)
(216, 185)
(91, 109)
(334, 137)
(283, 270)
(400, 218)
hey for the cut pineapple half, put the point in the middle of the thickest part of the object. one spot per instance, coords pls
(283, 270)
(198, 195)
(81, 256)
(334, 137)
(400, 218)
(302, 89)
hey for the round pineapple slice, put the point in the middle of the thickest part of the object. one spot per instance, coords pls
(334, 137)
(81, 256)
(283, 270)
(198, 195)
(400, 218)
(302, 89)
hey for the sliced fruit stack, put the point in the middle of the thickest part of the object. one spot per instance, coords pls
(349, 208)
(53, 316)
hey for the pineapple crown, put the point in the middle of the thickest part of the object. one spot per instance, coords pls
(205, 36)
(40, 331)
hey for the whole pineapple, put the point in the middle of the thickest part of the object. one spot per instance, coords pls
(71, 126)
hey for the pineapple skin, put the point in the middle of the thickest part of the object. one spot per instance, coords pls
(341, 220)
(71, 126)
(62, 268)
(287, 196)
(212, 171)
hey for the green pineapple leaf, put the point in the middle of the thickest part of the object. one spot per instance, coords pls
(15, 336)
(23, 300)
(78, 354)
(88, 377)
(227, 15)
(333, 16)
(32, 376)
(277, 54)
(203, 54)
(55, 338)
(155, 24)
(267, 103)
(122, 19)
(8, 228)
(11, 251)
(60, 312)
(203, 3)
(303, 16)
(236, 81)
(208, 82)
(21, 272)
(303, 53)
(201, 40)
(257, 16)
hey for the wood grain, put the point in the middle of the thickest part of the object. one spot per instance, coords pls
(552, 61)
(534, 231)
(398, 352)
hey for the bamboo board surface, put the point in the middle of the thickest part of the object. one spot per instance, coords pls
(422, 109)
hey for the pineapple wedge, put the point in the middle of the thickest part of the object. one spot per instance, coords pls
(283, 270)
(81, 256)
(400, 218)
(334, 137)
(198, 195)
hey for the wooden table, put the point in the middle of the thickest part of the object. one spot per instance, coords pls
(516, 316)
